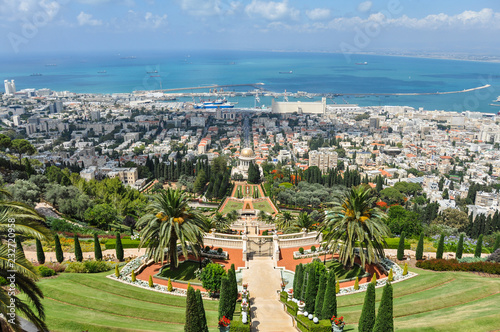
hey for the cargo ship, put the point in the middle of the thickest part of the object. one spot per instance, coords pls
(361, 63)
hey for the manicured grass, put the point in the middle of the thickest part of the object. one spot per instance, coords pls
(263, 206)
(126, 243)
(232, 205)
(184, 272)
(342, 273)
(79, 302)
(436, 301)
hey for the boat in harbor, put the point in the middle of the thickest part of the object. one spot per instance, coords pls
(286, 72)
(36, 74)
(219, 103)
(361, 63)
(152, 72)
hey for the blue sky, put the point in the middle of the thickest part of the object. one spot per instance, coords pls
(30, 26)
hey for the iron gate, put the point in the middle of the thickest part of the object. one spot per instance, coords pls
(260, 248)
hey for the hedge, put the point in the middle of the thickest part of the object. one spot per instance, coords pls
(306, 325)
(393, 243)
(283, 296)
(292, 308)
(126, 243)
(238, 326)
(454, 265)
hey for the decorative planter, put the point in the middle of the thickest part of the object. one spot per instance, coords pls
(224, 328)
(301, 308)
(337, 328)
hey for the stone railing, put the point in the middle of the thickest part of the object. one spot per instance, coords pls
(307, 239)
(224, 241)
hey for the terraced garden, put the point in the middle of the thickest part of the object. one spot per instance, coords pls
(432, 301)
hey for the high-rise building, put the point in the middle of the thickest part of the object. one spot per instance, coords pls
(324, 158)
(10, 87)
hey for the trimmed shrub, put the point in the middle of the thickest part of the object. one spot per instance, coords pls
(460, 246)
(479, 246)
(96, 266)
(454, 265)
(367, 319)
(313, 249)
(45, 271)
(304, 324)
(220, 251)
(440, 248)
(119, 248)
(301, 250)
(150, 281)
(238, 326)
(201, 312)
(374, 278)
(320, 297)
(233, 291)
(75, 267)
(299, 274)
(356, 284)
(40, 256)
(133, 276)
(405, 269)
(56, 267)
(97, 248)
(117, 273)
(385, 318)
(494, 257)
(292, 308)
(497, 243)
(225, 298)
(211, 277)
(59, 252)
(401, 247)
(169, 285)
(330, 300)
(311, 288)
(192, 312)
(420, 248)
(390, 277)
(78, 249)
(207, 248)
(337, 287)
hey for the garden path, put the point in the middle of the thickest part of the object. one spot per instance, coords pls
(263, 283)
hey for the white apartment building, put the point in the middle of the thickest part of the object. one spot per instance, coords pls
(324, 158)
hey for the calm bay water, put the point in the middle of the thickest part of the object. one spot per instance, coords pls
(311, 72)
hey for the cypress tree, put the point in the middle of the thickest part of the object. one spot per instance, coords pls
(337, 287)
(97, 248)
(497, 243)
(169, 285)
(390, 277)
(192, 312)
(40, 256)
(133, 276)
(119, 248)
(59, 252)
(330, 300)
(201, 312)
(311, 289)
(405, 269)
(150, 281)
(117, 272)
(420, 247)
(19, 246)
(78, 249)
(385, 319)
(479, 246)
(374, 279)
(460, 246)
(367, 319)
(320, 297)
(299, 270)
(231, 274)
(225, 297)
(356, 283)
(440, 248)
(401, 247)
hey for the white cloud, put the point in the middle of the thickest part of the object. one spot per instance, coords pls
(271, 10)
(365, 6)
(155, 21)
(86, 19)
(318, 14)
(202, 7)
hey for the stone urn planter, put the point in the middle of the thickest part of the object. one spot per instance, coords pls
(337, 328)
(302, 305)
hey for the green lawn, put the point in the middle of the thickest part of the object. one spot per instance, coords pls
(79, 302)
(232, 205)
(341, 273)
(184, 272)
(263, 206)
(436, 301)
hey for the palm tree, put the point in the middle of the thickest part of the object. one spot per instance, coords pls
(24, 220)
(353, 219)
(304, 221)
(285, 220)
(220, 222)
(170, 220)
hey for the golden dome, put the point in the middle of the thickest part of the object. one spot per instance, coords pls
(247, 152)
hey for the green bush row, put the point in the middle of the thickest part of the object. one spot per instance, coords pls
(393, 243)
(454, 265)
(306, 325)
(238, 326)
(126, 243)
(292, 308)
(88, 267)
(283, 297)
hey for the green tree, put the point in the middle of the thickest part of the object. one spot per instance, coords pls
(479, 246)
(320, 297)
(101, 215)
(311, 288)
(297, 281)
(225, 298)
(193, 323)
(22, 146)
(211, 277)
(119, 248)
(59, 252)
(392, 196)
(200, 182)
(385, 318)
(40, 255)
(367, 319)
(78, 249)
(169, 219)
(497, 243)
(285, 220)
(460, 246)
(330, 300)
(356, 219)
(453, 218)
(440, 248)
(233, 291)
(201, 312)
(420, 247)
(97, 248)
(401, 247)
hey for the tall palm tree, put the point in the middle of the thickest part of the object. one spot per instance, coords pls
(285, 220)
(355, 218)
(170, 221)
(26, 221)
(304, 221)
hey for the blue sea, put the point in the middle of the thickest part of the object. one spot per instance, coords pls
(311, 72)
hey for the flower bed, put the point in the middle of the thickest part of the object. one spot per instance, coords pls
(308, 253)
(454, 265)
